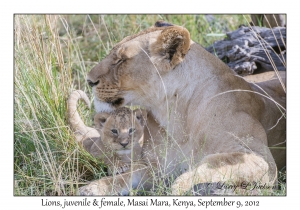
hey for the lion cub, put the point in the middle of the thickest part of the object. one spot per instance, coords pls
(121, 134)
(121, 141)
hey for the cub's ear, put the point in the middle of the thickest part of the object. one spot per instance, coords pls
(170, 48)
(100, 119)
(141, 116)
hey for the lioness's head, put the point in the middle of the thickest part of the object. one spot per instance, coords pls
(121, 128)
(136, 64)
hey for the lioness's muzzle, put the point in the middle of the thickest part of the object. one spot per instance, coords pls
(92, 84)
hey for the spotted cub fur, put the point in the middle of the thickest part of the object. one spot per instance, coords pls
(121, 141)
(117, 138)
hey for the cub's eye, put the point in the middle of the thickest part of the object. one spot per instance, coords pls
(114, 131)
(131, 130)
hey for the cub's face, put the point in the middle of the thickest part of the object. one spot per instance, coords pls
(121, 129)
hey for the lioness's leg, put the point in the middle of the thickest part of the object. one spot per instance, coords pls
(119, 184)
(233, 168)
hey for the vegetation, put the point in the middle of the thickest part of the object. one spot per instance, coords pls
(53, 54)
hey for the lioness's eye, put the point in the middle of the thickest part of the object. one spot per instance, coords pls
(114, 131)
(131, 130)
(118, 62)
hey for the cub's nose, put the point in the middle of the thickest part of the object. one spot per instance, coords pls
(92, 84)
(124, 144)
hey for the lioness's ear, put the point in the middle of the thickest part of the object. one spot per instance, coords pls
(100, 119)
(161, 23)
(170, 48)
(141, 116)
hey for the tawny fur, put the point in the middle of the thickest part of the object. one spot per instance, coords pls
(104, 144)
(121, 149)
(219, 127)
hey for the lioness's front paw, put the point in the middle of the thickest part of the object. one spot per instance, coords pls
(99, 187)
(182, 184)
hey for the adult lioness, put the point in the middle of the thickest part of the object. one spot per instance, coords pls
(219, 126)
(121, 134)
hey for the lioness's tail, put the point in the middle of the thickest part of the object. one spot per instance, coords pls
(82, 131)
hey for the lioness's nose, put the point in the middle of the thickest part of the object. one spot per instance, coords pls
(92, 84)
(124, 144)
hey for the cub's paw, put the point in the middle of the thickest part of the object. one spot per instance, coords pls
(123, 168)
(118, 168)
